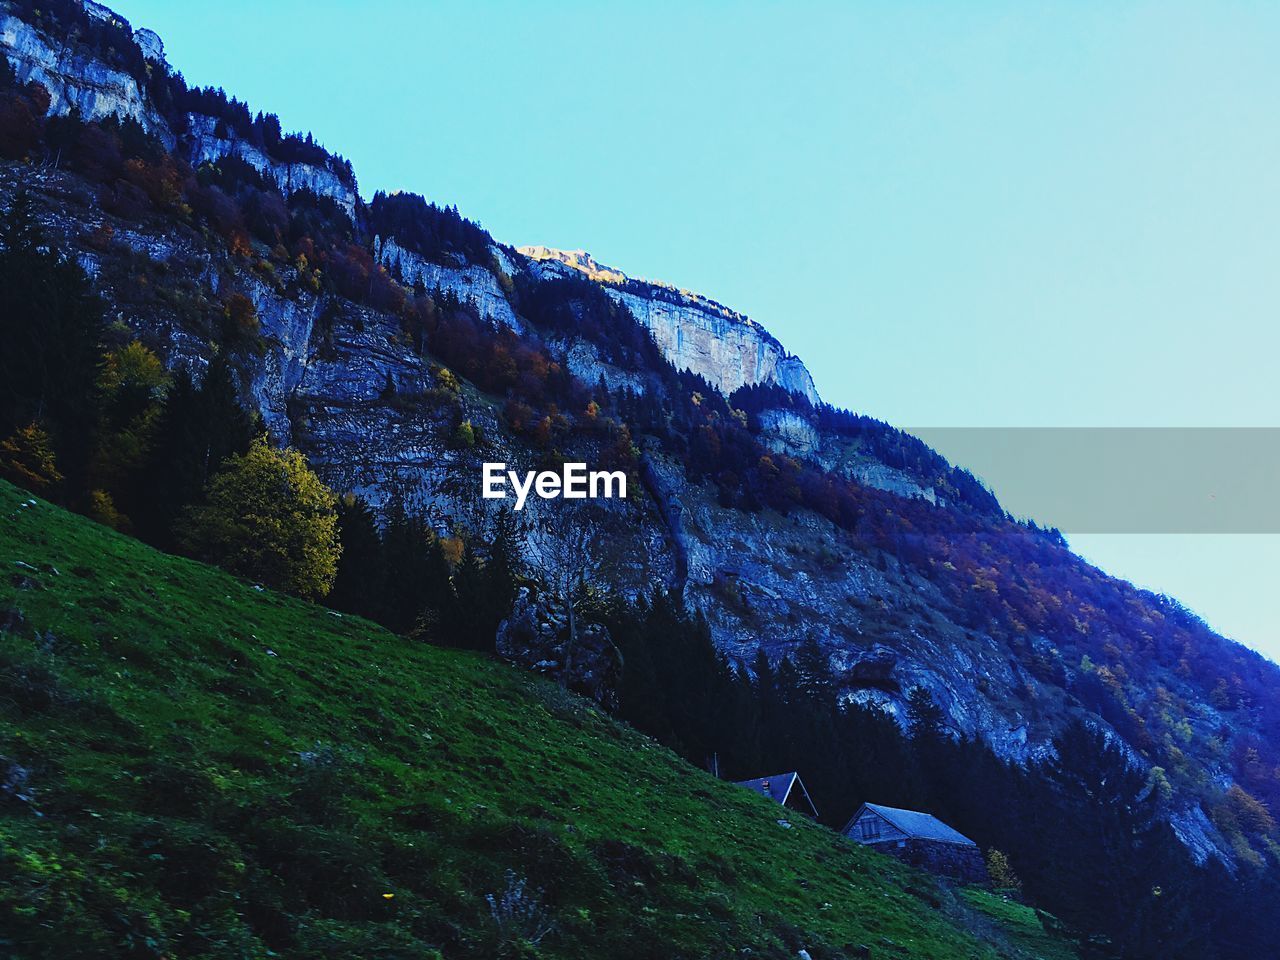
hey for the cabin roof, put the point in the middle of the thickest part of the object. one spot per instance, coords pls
(917, 825)
(779, 787)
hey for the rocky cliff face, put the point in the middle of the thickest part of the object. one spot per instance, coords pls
(481, 285)
(76, 81)
(726, 348)
(203, 145)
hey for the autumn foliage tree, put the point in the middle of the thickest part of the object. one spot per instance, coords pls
(269, 518)
(27, 459)
(131, 390)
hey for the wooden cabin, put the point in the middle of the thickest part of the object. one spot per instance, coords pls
(919, 839)
(786, 789)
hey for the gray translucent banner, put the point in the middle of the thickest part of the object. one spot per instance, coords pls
(1125, 479)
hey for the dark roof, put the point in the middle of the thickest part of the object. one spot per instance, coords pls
(920, 826)
(779, 787)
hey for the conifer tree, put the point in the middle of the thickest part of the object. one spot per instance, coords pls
(925, 718)
(1105, 807)
(198, 428)
(414, 598)
(358, 585)
(813, 670)
(471, 621)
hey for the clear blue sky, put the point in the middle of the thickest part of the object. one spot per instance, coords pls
(989, 214)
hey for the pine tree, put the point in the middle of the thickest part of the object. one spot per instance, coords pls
(1101, 836)
(420, 596)
(506, 547)
(813, 669)
(642, 697)
(229, 427)
(925, 718)
(173, 474)
(358, 586)
(197, 429)
(762, 672)
(471, 622)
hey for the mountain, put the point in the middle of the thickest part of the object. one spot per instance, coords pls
(204, 785)
(399, 346)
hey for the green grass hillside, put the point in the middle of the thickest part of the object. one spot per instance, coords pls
(194, 767)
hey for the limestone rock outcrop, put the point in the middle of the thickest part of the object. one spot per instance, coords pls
(205, 145)
(724, 347)
(75, 81)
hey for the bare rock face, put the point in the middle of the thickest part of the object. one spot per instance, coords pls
(76, 82)
(150, 44)
(470, 283)
(536, 637)
(729, 350)
(695, 333)
(785, 431)
(95, 90)
(580, 260)
(205, 145)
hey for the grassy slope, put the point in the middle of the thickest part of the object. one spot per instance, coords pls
(1017, 924)
(219, 770)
